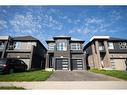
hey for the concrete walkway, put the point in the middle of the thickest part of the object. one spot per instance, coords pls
(69, 85)
(80, 76)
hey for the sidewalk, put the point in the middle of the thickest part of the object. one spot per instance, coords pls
(69, 85)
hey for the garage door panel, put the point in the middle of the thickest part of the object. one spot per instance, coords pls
(61, 64)
(77, 64)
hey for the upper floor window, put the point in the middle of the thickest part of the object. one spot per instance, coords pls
(29, 44)
(51, 46)
(110, 45)
(75, 46)
(18, 45)
(1, 45)
(101, 46)
(62, 46)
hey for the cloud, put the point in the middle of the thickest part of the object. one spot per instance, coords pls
(25, 23)
(49, 22)
(4, 11)
(92, 25)
(93, 21)
(116, 15)
(3, 24)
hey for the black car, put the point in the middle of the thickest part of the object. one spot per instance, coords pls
(12, 65)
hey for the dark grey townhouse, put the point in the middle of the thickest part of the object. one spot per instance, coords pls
(26, 48)
(65, 53)
(106, 52)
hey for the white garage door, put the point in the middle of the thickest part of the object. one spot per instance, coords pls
(118, 64)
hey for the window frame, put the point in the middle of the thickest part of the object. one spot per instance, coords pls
(76, 46)
(61, 46)
(110, 45)
(51, 45)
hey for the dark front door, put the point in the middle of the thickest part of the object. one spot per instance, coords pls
(61, 64)
(76, 64)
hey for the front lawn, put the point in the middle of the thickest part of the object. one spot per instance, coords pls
(11, 88)
(113, 73)
(39, 75)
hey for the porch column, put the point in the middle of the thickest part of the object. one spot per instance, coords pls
(83, 62)
(47, 61)
(4, 49)
(94, 55)
(107, 56)
(69, 64)
(31, 57)
(98, 55)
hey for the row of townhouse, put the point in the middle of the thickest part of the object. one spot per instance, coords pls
(66, 53)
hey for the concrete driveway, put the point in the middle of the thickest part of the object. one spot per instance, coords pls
(79, 76)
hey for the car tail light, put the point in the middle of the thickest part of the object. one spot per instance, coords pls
(4, 65)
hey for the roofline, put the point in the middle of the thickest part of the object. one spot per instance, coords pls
(100, 37)
(4, 37)
(77, 41)
(21, 38)
(62, 37)
(42, 45)
(48, 41)
(87, 45)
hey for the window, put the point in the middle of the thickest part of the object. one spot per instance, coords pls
(75, 46)
(61, 46)
(51, 46)
(110, 45)
(28, 45)
(1, 45)
(101, 46)
(18, 45)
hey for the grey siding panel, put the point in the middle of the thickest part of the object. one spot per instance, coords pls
(18, 55)
(75, 56)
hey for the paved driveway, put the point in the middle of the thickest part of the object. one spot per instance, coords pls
(79, 76)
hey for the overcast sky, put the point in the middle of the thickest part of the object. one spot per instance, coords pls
(44, 22)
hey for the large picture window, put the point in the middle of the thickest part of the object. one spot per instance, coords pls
(61, 46)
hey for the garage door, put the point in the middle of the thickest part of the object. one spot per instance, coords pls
(118, 64)
(61, 64)
(76, 64)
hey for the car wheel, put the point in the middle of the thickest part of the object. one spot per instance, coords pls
(11, 71)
